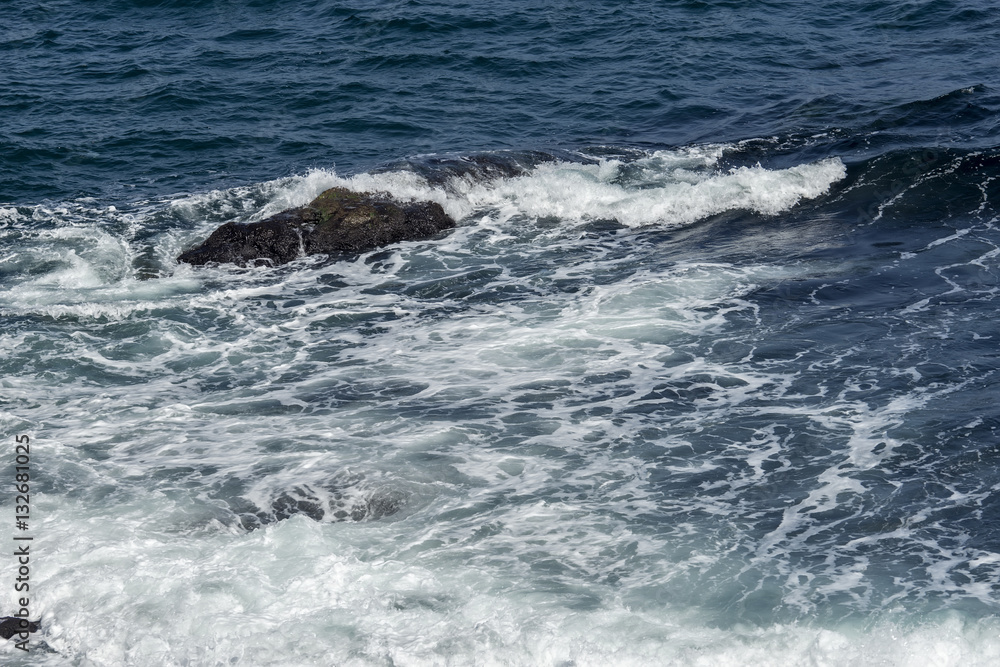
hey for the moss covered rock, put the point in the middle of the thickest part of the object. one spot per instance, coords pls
(337, 222)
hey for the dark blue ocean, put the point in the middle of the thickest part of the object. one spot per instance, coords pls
(708, 373)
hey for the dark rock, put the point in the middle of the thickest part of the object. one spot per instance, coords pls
(286, 505)
(331, 505)
(13, 625)
(346, 496)
(339, 221)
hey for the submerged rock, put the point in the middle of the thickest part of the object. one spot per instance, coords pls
(339, 221)
(346, 496)
(15, 625)
(327, 505)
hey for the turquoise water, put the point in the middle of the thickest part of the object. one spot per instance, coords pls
(705, 376)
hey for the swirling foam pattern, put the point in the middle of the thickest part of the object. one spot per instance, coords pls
(706, 375)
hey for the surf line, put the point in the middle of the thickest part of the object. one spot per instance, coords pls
(19, 624)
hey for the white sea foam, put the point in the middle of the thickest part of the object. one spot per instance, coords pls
(305, 593)
(461, 572)
(574, 457)
(677, 196)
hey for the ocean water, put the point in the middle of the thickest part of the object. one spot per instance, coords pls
(706, 375)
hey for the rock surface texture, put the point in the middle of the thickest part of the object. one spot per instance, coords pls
(14, 625)
(339, 221)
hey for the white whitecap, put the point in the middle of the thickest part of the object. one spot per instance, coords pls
(661, 191)
(672, 188)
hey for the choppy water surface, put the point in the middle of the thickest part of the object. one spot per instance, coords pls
(706, 375)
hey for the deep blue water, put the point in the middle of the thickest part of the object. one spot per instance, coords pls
(706, 375)
(165, 97)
